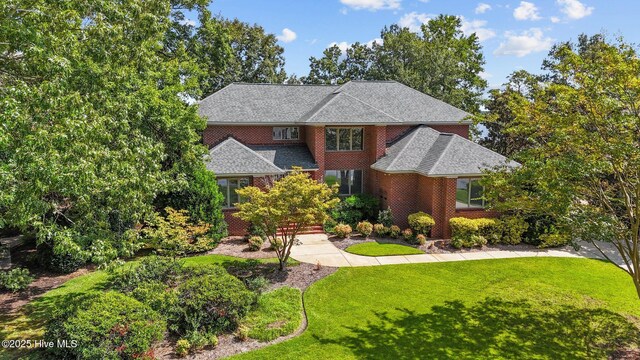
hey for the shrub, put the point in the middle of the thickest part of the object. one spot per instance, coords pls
(355, 208)
(242, 333)
(276, 244)
(60, 250)
(202, 199)
(255, 230)
(182, 347)
(421, 239)
(174, 234)
(472, 232)
(150, 269)
(255, 243)
(407, 234)
(199, 340)
(16, 279)
(553, 240)
(365, 228)
(537, 226)
(161, 299)
(342, 230)
(385, 217)
(108, 326)
(257, 284)
(394, 231)
(421, 222)
(512, 228)
(381, 230)
(328, 225)
(212, 303)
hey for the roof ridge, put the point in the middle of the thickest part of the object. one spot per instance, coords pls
(329, 98)
(278, 84)
(410, 138)
(248, 148)
(214, 93)
(373, 107)
(446, 147)
(434, 98)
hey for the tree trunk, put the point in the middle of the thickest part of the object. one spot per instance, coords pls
(283, 264)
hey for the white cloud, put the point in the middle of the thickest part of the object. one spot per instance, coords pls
(287, 35)
(413, 20)
(482, 8)
(372, 5)
(554, 19)
(524, 43)
(378, 41)
(485, 75)
(574, 9)
(187, 22)
(477, 27)
(343, 45)
(526, 11)
(344, 11)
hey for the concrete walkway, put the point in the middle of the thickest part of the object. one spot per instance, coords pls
(316, 248)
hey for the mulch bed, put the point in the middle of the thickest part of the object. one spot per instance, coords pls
(237, 246)
(433, 246)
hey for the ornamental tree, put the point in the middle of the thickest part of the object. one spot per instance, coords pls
(288, 206)
(582, 165)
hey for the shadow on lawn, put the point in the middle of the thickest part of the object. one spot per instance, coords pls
(492, 328)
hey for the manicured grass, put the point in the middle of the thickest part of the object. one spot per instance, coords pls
(279, 313)
(382, 249)
(29, 322)
(528, 308)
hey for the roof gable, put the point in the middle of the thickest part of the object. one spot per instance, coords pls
(230, 157)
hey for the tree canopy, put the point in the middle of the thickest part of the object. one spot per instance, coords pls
(439, 60)
(582, 162)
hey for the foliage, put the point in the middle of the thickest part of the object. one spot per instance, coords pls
(553, 240)
(582, 166)
(199, 340)
(255, 243)
(380, 229)
(277, 313)
(394, 231)
(421, 239)
(107, 326)
(94, 120)
(182, 347)
(355, 208)
(175, 235)
(257, 284)
(385, 217)
(62, 250)
(150, 269)
(421, 222)
(365, 228)
(342, 230)
(440, 60)
(407, 234)
(15, 279)
(374, 248)
(328, 225)
(472, 232)
(512, 229)
(212, 303)
(293, 203)
(201, 199)
(508, 308)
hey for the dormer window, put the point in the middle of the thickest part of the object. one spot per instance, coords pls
(286, 133)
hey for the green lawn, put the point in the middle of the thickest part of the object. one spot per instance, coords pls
(533, 308)
(382, 249)
(279, 313)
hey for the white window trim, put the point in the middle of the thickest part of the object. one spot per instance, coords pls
(469, 207)
(285, 127)
(338, 138)
(228, 205)
(350, 185)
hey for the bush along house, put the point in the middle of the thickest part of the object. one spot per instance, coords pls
(379, 137)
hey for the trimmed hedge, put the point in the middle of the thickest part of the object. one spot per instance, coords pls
(477, 232)
(421, 222)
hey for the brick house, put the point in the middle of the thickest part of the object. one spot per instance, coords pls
(377, 137)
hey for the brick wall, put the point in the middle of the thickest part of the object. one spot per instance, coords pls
(247, 134)
(398, 191)
(236, 226)
(393, 132)
(315, 142)
(462, 130)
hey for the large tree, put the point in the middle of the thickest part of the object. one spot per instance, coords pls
(440, 61)
(583, 165)
(94, 120)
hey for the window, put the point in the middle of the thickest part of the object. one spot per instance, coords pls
(228, 189)
(286, 133)
(469, 194)
(349, 181)
(343, 139)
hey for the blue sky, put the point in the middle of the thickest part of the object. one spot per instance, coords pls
(515, 34)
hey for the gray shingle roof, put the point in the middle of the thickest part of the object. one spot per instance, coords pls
(287, 156)
(230, 157)
(356, 102)
(431, 153)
